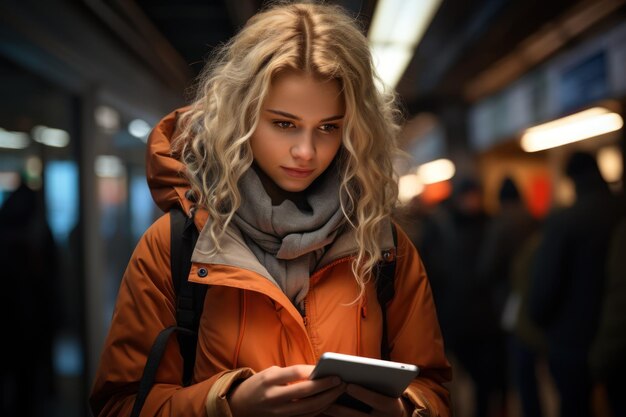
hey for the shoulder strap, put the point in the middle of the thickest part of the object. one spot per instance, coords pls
(189, 302)
(152, 364)
(385, 275)
(190, 297)
(183, 236)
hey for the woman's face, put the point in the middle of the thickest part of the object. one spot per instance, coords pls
(299, 129)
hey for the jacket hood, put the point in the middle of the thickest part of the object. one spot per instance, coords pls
(164, 171)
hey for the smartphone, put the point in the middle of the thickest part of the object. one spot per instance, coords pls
(386, 377)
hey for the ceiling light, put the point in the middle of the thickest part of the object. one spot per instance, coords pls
(397, 27)
(139, 129)
(579, 126)
(56, 138)
(390, 62)
(107, 118)
(409, 186)
(436, 171)
(610, 163)
(13, 140)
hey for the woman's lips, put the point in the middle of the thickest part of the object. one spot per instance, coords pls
(298, 172)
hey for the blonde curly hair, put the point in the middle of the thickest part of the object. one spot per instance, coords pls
(322, 40)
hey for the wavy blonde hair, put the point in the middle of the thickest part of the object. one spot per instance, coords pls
(322, 40)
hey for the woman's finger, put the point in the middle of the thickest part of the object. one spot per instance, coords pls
(313, 405)
(275, 375)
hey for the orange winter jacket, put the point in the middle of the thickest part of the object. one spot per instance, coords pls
(248, 323)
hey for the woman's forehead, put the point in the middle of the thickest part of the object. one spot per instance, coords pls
(303, 94)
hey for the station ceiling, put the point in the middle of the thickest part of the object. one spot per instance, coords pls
(461, 57)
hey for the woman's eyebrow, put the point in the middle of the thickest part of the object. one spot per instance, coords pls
(332, 118)
(294, 117)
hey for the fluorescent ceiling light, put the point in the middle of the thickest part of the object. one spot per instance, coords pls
(610, 163)
(390, 62)
(576, 127)
(13, 140)
(107, 118)
(56, 138)
(397, 27)
(436, 171)
(139, 128)
(409, 186)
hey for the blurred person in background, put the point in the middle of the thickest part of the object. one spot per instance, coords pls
(410, 217)
(506, 233)
(452, 236)
(608, 353)
(526, 344)
(30, 310)
(567, 281)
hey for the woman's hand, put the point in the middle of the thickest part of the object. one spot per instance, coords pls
(285, 392)
(382, 406)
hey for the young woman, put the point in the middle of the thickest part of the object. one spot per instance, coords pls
(284, 160)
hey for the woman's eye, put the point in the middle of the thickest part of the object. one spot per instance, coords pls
(282, 124)
(329, 127)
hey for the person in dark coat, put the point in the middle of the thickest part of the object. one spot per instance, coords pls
(608, 352)
(451, 240)
(507, 233)
(28, 261)
(568, 278)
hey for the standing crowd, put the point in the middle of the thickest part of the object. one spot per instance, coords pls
(521, 297)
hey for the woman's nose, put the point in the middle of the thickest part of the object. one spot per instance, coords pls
(304, 147)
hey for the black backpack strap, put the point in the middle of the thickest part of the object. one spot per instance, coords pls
(385, 275)
(189, 302)
(190, 296)
(152, 364)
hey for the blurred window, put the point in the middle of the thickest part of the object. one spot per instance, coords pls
(61, 193)
(141, 205)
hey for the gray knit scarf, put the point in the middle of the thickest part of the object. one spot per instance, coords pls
(287, 240)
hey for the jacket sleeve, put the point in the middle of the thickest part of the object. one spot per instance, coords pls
(144, 307)
(414, 333)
